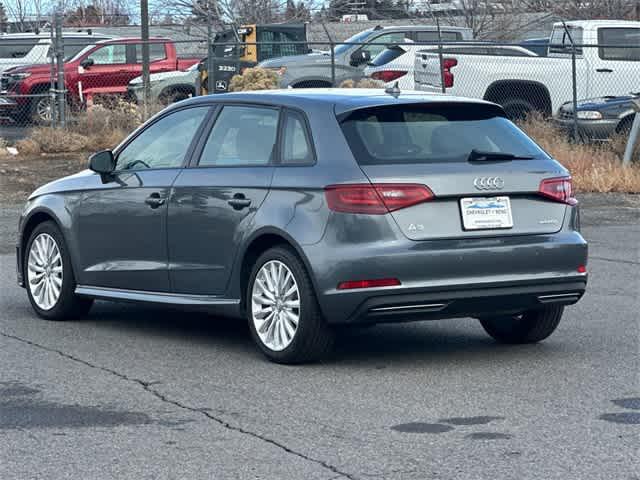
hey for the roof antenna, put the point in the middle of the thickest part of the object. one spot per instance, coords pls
(393, 91)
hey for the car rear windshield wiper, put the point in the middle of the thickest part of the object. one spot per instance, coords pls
(480, 156)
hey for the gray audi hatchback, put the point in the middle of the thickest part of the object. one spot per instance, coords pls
(301, 210)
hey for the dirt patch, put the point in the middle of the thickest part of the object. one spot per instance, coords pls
(19, 176)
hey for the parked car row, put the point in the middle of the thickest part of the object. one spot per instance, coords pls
(104, 67)
(514, 76)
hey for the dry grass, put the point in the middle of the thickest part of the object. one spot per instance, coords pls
(362, 83)
(101, 126)
(594, 167)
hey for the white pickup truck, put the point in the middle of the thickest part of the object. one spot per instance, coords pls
(607, 63)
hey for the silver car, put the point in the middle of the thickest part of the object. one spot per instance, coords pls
(302, 210)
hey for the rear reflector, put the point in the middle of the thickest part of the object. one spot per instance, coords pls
(379, 282)
(558, 189)
(388, 75)
(582, 269)
(375, 199)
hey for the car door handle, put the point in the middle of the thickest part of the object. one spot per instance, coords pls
(239, 201)
(154, 200)
(604, 70)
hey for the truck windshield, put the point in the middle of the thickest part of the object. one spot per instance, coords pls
(430, 133)
(357, 38)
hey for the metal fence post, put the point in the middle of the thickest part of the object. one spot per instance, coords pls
(60, 85)
(574, 80)
(52, 71)
(441, 57)
(633, 135)
(210, 52)
(146, 80)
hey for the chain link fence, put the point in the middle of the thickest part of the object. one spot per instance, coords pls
(52, 79)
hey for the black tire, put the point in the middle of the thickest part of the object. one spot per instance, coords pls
(313, 338)
(173, 96)
(517, 108)
(68, 306)
(530, 327)
(36, 107)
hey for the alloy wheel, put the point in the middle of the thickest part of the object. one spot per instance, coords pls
(44, 271)
(275, 305)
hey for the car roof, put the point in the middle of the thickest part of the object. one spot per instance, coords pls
(44, 34)
(343, 100)
(422, 27)
(599, 23)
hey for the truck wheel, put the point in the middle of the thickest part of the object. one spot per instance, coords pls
(173, 96)
(517, 108)
(41, 109)
(530, 327)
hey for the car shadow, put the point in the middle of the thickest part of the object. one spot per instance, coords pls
(424, 342)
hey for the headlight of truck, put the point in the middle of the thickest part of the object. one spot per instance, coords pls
(589, 115)
(16, 77)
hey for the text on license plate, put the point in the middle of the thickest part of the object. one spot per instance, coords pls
(486, 213)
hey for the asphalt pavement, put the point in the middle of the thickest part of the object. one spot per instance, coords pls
(144, 393)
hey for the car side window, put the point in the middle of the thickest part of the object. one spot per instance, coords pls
(620, 44)
(432, 36)
(163, 144)
(241, 136)
(296, 144)
(110, 55)
(157, 52)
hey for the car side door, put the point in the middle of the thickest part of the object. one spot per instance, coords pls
(121, 222)
(214, 201)
(105, 69)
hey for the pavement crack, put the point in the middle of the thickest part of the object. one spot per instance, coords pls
(148, 386)
(613, 260)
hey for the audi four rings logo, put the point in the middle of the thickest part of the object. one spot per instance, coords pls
(488, 183)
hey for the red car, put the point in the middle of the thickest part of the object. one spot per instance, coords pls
(104, 68)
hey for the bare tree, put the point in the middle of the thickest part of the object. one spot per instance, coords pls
(587, 9)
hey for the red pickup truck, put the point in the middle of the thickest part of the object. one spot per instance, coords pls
(104, 68)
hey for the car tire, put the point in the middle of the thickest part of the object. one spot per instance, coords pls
(517, 108)
(46, 253)
(312, 338)
(530, 327)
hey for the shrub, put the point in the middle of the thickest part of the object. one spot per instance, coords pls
(56, 140)
(362, 83)
(255, 78)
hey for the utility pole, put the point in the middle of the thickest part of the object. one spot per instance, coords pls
(144, 22)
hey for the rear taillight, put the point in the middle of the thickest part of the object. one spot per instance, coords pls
(388, 75)
(375, 199)
(447, 65)
(558, 189)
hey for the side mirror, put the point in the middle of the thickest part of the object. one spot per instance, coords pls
(102, 162)
(87, 62)
(359, 57)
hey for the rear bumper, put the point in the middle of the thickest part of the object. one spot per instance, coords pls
(468, 302)
(450, 278)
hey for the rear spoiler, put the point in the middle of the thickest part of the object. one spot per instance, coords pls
(343, 111)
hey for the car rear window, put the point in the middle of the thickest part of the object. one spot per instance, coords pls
(387, 55)
(428, 133)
